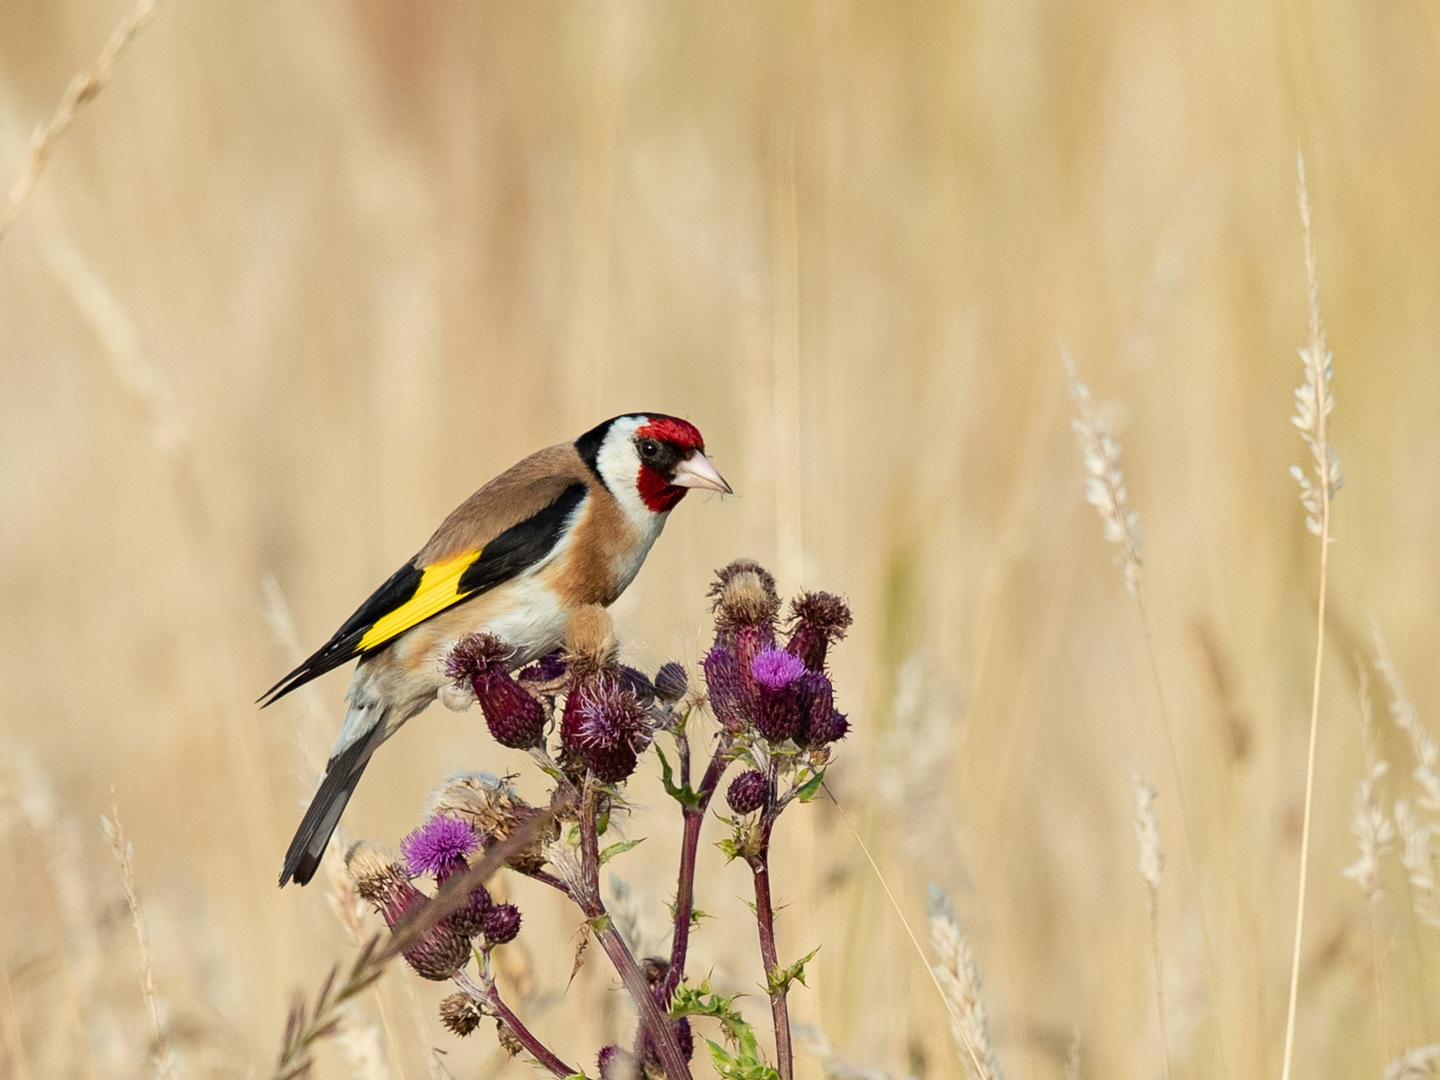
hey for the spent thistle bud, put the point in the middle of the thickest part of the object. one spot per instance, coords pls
(613, 728)
(547, 669)
(502, 923)
(636, 682)
(590, 645)
(614, 1063)
(460, 1014)
(744, 595)
(671, 682)
(747, 792)
(514, 717)
(817, 621)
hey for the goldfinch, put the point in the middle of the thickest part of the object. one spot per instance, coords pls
(568, 526)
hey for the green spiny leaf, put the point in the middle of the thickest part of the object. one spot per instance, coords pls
(618, 849)
(778, 981)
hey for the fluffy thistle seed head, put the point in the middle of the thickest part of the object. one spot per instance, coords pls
(817, 621)
(502, 924)
(376, 875)
(460, 1014)
(614, 1063)
(494, 810)
(747, 792)
(744, 595)
(514, 717)
(439, 847)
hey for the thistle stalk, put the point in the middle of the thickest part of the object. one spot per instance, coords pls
(488, 997)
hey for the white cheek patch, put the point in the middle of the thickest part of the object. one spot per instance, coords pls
(619, 464)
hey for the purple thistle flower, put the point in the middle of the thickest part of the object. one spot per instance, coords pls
(439, 847)
(747, 792)
(515, 719)
(443, 949)
(613, 728)
(776, 669)
(502, 924)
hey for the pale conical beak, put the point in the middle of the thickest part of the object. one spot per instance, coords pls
(697, 472)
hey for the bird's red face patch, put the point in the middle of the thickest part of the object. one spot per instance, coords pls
(678, 439)
(669, 429)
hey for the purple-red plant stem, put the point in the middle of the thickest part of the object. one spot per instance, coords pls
(765, 919)
(689, 848)
(661, 1030)
(538, 1050)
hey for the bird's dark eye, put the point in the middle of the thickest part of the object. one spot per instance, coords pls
(649, 449)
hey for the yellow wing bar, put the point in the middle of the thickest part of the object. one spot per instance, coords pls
(439, 588)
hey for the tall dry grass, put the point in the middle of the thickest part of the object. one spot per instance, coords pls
(303, 275)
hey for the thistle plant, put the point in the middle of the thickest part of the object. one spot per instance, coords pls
(588, 722)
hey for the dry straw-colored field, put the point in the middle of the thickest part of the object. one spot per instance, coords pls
(304, 274)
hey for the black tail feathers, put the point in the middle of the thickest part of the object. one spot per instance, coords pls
(311, 839)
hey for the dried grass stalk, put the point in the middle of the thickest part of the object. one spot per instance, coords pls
(1151, 863)
(1414, 1064)
(959, 979)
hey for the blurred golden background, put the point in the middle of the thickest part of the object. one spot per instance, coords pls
(305, 274)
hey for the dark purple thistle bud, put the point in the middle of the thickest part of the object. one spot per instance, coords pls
(815, 699)
(817, 621)
(671, 682)
(636, 682)
(726, 689)
(547, 669)
(502, 923)
(571, 718)
(747, 792)
(833, 726)
(515, 719)
(460, 1014)
(777, 704)
(750, 642)
(744, 595)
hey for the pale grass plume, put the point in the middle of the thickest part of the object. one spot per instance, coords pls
(959, 979)
(124, 853)
(1415, 1064)
(1314, 401)
(1407, 719)
(359, 1039)
(81, 89)
(814, 1041)
(1072, 1057)
(1104, 483)
(1151, 864)
(1374, 833)
(1418, 858)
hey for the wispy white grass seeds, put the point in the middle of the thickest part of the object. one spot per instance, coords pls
(1104, 483)
(1407, 719)
(1416, 1064)
(1419, 862)
(1373, 831)
(960, 982)
(1147, 835)
(1313, 400)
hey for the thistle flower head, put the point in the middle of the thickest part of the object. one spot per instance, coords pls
(502, 924)
(613, 728)
(514, 717)
(460, 1014)
(439, 847)
(747, 792)
(744, 595)
(442, 950)
(817, 621)
(776, 669)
